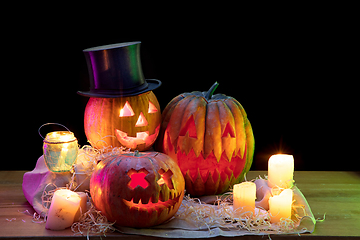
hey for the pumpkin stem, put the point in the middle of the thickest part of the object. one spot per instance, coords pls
(211, 91)
(136, 153)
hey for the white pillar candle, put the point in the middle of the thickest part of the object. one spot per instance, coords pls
(280, 206)
(244, 195)
(83, 206)
(281, 171)
(64, 205)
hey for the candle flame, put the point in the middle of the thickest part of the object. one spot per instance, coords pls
(65, 146)
(61, 136)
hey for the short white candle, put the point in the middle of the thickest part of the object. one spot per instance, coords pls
(83, 206)
(244, 195)
(281, 171)
(280, 206)
(64, 205)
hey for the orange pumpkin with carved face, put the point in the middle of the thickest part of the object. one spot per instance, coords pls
(131, 122)
(137, 189)
(211, 139)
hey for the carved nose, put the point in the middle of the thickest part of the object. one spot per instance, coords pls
(141, 122)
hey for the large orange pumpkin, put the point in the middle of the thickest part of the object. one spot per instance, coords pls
(211, 139)
(137, 189)
(132, 122)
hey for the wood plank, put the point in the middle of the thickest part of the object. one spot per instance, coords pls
(335, 193)
(338, 195)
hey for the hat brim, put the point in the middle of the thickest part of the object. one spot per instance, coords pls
(152, 84)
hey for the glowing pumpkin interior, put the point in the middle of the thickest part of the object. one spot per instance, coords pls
(134, 121)
(138, 178)
(141, 137)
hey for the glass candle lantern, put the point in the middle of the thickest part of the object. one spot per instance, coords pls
(60, 151)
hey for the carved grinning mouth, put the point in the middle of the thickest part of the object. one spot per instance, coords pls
(141, 138)
(150, 206)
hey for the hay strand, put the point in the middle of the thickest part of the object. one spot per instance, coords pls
(221, 214)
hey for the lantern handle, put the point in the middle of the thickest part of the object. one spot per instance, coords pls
(50, 124)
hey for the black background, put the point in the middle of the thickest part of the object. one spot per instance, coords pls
(291, 70)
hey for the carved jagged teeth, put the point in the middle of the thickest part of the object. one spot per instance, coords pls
(150, 206)
(164, 196)
(154, 198)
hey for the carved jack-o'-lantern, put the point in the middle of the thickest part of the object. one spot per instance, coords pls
(211, 139)
(132, 122)
(122, 109)
(137, 189)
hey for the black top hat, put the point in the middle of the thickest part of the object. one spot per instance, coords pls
(115, 71)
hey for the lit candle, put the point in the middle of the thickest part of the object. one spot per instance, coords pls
(280, 206)
(281, 171)
(64, 205)
(244, 195)
(60, 151)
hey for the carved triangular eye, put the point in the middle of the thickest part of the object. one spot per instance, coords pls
(141, 122)
(228, 131)
(126, 111)
(189, 127)
(152, 108)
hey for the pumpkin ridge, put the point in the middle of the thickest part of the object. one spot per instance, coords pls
(111, 113)
(190, 123)
(240, 122)
(227, 124)
(191, 135)
(212, 138)
(176, 120)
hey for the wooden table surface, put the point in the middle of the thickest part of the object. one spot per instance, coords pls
(335, 193)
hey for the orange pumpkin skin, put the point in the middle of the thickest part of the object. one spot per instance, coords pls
(137, 190)
(105, 126)
(211, 140)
